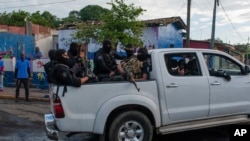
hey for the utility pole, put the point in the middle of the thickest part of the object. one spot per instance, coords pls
(247, 51)
(188, 24)
(213, 24)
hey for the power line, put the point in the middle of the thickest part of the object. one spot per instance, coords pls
(13, 1)
(181, 8)
(234, 28)
(36, 4)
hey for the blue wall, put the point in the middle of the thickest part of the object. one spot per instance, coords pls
(18, 43)
(169, 35)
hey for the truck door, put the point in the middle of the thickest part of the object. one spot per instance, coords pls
(227, 96)
(186, 94)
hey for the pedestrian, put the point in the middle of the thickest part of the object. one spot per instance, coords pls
(22, 75)
(38, 54)
(1, 73)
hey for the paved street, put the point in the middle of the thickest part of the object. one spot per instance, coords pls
(24, 121)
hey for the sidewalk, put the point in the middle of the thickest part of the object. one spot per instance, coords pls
(35, 94)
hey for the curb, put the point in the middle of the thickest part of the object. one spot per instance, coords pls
(6, 96)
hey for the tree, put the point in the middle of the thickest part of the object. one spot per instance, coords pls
(92, 13)
(118, 25)
(121, 25)
(5, 18)
(18, 18)
(87, 30)
(37, 18)
(44, 19)
(51, 19)
(72, 18)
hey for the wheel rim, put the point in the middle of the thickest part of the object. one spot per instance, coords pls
(131, 131)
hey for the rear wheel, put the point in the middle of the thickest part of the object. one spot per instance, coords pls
(130, 126)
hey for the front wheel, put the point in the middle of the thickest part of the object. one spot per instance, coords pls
(130, 126)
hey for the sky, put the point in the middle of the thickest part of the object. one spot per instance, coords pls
(232, 16)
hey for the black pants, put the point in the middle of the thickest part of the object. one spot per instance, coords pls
(26, 87)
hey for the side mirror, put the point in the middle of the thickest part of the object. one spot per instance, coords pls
(227, 76)
(220, 74)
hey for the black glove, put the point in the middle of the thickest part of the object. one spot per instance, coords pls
(78, 59)
(90, 76)
(227, 77)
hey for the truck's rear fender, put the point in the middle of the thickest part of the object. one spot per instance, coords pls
(123, 103)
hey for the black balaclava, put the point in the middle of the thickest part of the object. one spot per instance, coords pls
(128, 50)
(106, 46)
(73, 49)
(143, 54)
(61, 59)
(51, 54)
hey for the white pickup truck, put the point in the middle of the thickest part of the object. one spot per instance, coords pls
(213, 91)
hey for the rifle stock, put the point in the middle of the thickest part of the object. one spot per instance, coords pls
(80, 48)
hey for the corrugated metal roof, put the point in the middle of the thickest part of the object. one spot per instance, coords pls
(165, 21)
(153, 22)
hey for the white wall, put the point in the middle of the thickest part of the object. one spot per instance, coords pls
(45, 44)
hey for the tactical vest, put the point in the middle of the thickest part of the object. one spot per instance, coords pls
(133, 65)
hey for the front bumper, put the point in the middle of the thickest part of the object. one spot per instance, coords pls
(51, 130)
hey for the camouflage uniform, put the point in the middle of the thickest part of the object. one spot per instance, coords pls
(135, 67)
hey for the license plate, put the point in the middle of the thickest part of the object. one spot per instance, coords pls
(49, 117)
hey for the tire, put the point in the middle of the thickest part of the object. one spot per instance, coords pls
(130, 126)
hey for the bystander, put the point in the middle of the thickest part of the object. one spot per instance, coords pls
(38, 54)
(1, 73)
(22, 75)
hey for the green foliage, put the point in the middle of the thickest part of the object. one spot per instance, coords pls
(119, 25)
(5, 18)
(45, 19)
(51, 19)
(14, 18)
(37, 18)
(73, 17)
(19, 18)
(87, 31)
(92, 13)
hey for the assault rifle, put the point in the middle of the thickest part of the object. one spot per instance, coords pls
(129, 77)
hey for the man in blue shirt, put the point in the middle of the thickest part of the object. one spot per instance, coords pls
(38, 54)
(22, 74)
(1, 73)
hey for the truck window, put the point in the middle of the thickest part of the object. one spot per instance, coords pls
(182, 64)
(217, 62)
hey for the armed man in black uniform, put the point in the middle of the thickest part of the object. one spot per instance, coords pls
(105, 65)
